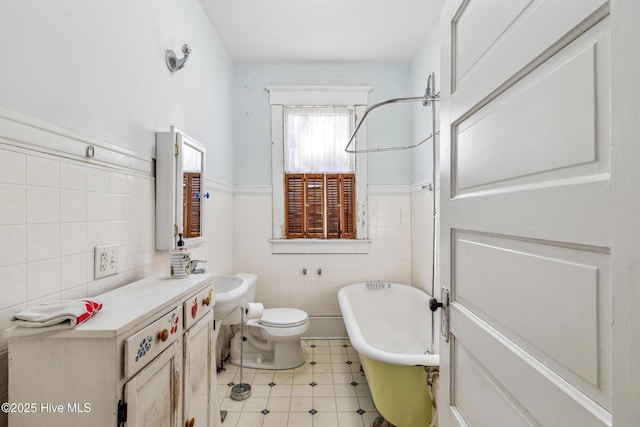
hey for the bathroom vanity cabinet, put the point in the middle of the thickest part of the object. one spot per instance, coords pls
(146, 359)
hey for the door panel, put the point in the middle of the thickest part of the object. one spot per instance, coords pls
(478, 27)
(536, 33)
(524, 382)
(514, 148)
(497, 406)
(526, 214)
(526, 290)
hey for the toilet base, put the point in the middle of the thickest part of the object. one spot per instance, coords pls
(279, 355)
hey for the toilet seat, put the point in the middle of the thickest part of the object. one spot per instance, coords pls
(283, 317)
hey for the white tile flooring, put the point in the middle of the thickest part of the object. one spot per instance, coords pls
(328, 390)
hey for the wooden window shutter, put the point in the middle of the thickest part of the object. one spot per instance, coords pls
(348, 197)
(320, 206)
(314, 184)
(333, 195)
(294, 203)
(191, 199)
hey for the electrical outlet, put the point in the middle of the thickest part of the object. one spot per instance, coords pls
(105, 261)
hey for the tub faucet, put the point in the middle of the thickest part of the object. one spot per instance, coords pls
(194, 267)
(377, 284)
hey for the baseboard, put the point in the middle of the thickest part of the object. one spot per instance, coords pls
(326, 328)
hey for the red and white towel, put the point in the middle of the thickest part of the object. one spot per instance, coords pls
(53, 316)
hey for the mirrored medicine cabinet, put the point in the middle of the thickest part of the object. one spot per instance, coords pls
(180, 196)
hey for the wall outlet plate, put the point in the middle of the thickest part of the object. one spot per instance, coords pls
(105, 261)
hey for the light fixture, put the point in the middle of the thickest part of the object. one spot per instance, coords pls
(173, 62)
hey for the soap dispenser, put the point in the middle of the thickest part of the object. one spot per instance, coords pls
(180, 260)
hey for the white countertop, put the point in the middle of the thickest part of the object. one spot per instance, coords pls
(124, 307)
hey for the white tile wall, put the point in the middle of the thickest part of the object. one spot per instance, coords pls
(422, 235)
(53, 212)
(281, 282)
(218, 249)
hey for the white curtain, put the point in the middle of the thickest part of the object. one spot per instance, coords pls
(315, 137)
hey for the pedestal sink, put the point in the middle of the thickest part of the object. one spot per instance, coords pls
(229, 293)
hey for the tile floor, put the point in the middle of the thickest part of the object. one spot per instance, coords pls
(328, 390)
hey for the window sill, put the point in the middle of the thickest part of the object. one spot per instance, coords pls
(320, 246)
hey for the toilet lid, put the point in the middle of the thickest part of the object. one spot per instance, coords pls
(281, 317)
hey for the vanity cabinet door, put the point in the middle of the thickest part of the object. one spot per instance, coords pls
(153, 395)
(199, 374)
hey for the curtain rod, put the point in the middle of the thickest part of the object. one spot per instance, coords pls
(427, 99)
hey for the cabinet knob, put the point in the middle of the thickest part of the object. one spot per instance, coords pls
(191, 422)
(206, 300)
(162, 336)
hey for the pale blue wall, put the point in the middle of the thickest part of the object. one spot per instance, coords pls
(91, 68)
(252, 115)
(98, 68)
(72, 69)
(427, 60)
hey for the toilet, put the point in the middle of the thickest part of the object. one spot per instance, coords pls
(272, 341)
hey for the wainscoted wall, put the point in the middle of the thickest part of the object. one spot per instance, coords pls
(53, 212)
(421, 237)
(55, 207)
(218, 229)
(69, 68)
(281, 282)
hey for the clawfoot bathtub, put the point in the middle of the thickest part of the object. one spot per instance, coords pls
(389, 325)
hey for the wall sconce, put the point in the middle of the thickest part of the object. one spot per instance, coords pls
(173, 62)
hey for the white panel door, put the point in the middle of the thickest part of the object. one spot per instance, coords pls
(530, 244)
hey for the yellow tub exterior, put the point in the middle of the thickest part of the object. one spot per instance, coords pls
(388, 326)
(399, 392)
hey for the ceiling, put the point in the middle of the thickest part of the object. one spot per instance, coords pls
(294, 31)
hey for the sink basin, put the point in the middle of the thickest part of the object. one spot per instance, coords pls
(229, 292)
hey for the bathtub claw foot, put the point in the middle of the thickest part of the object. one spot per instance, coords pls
(381, 422)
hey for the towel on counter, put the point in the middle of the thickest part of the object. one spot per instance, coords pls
(53, 316)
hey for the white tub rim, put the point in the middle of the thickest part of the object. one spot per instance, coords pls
(361, 345)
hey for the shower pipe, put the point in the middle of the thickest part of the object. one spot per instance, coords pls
(430, 96)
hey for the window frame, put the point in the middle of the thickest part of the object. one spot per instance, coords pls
(325, 96)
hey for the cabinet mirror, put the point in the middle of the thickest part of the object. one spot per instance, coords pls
(180, 195)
